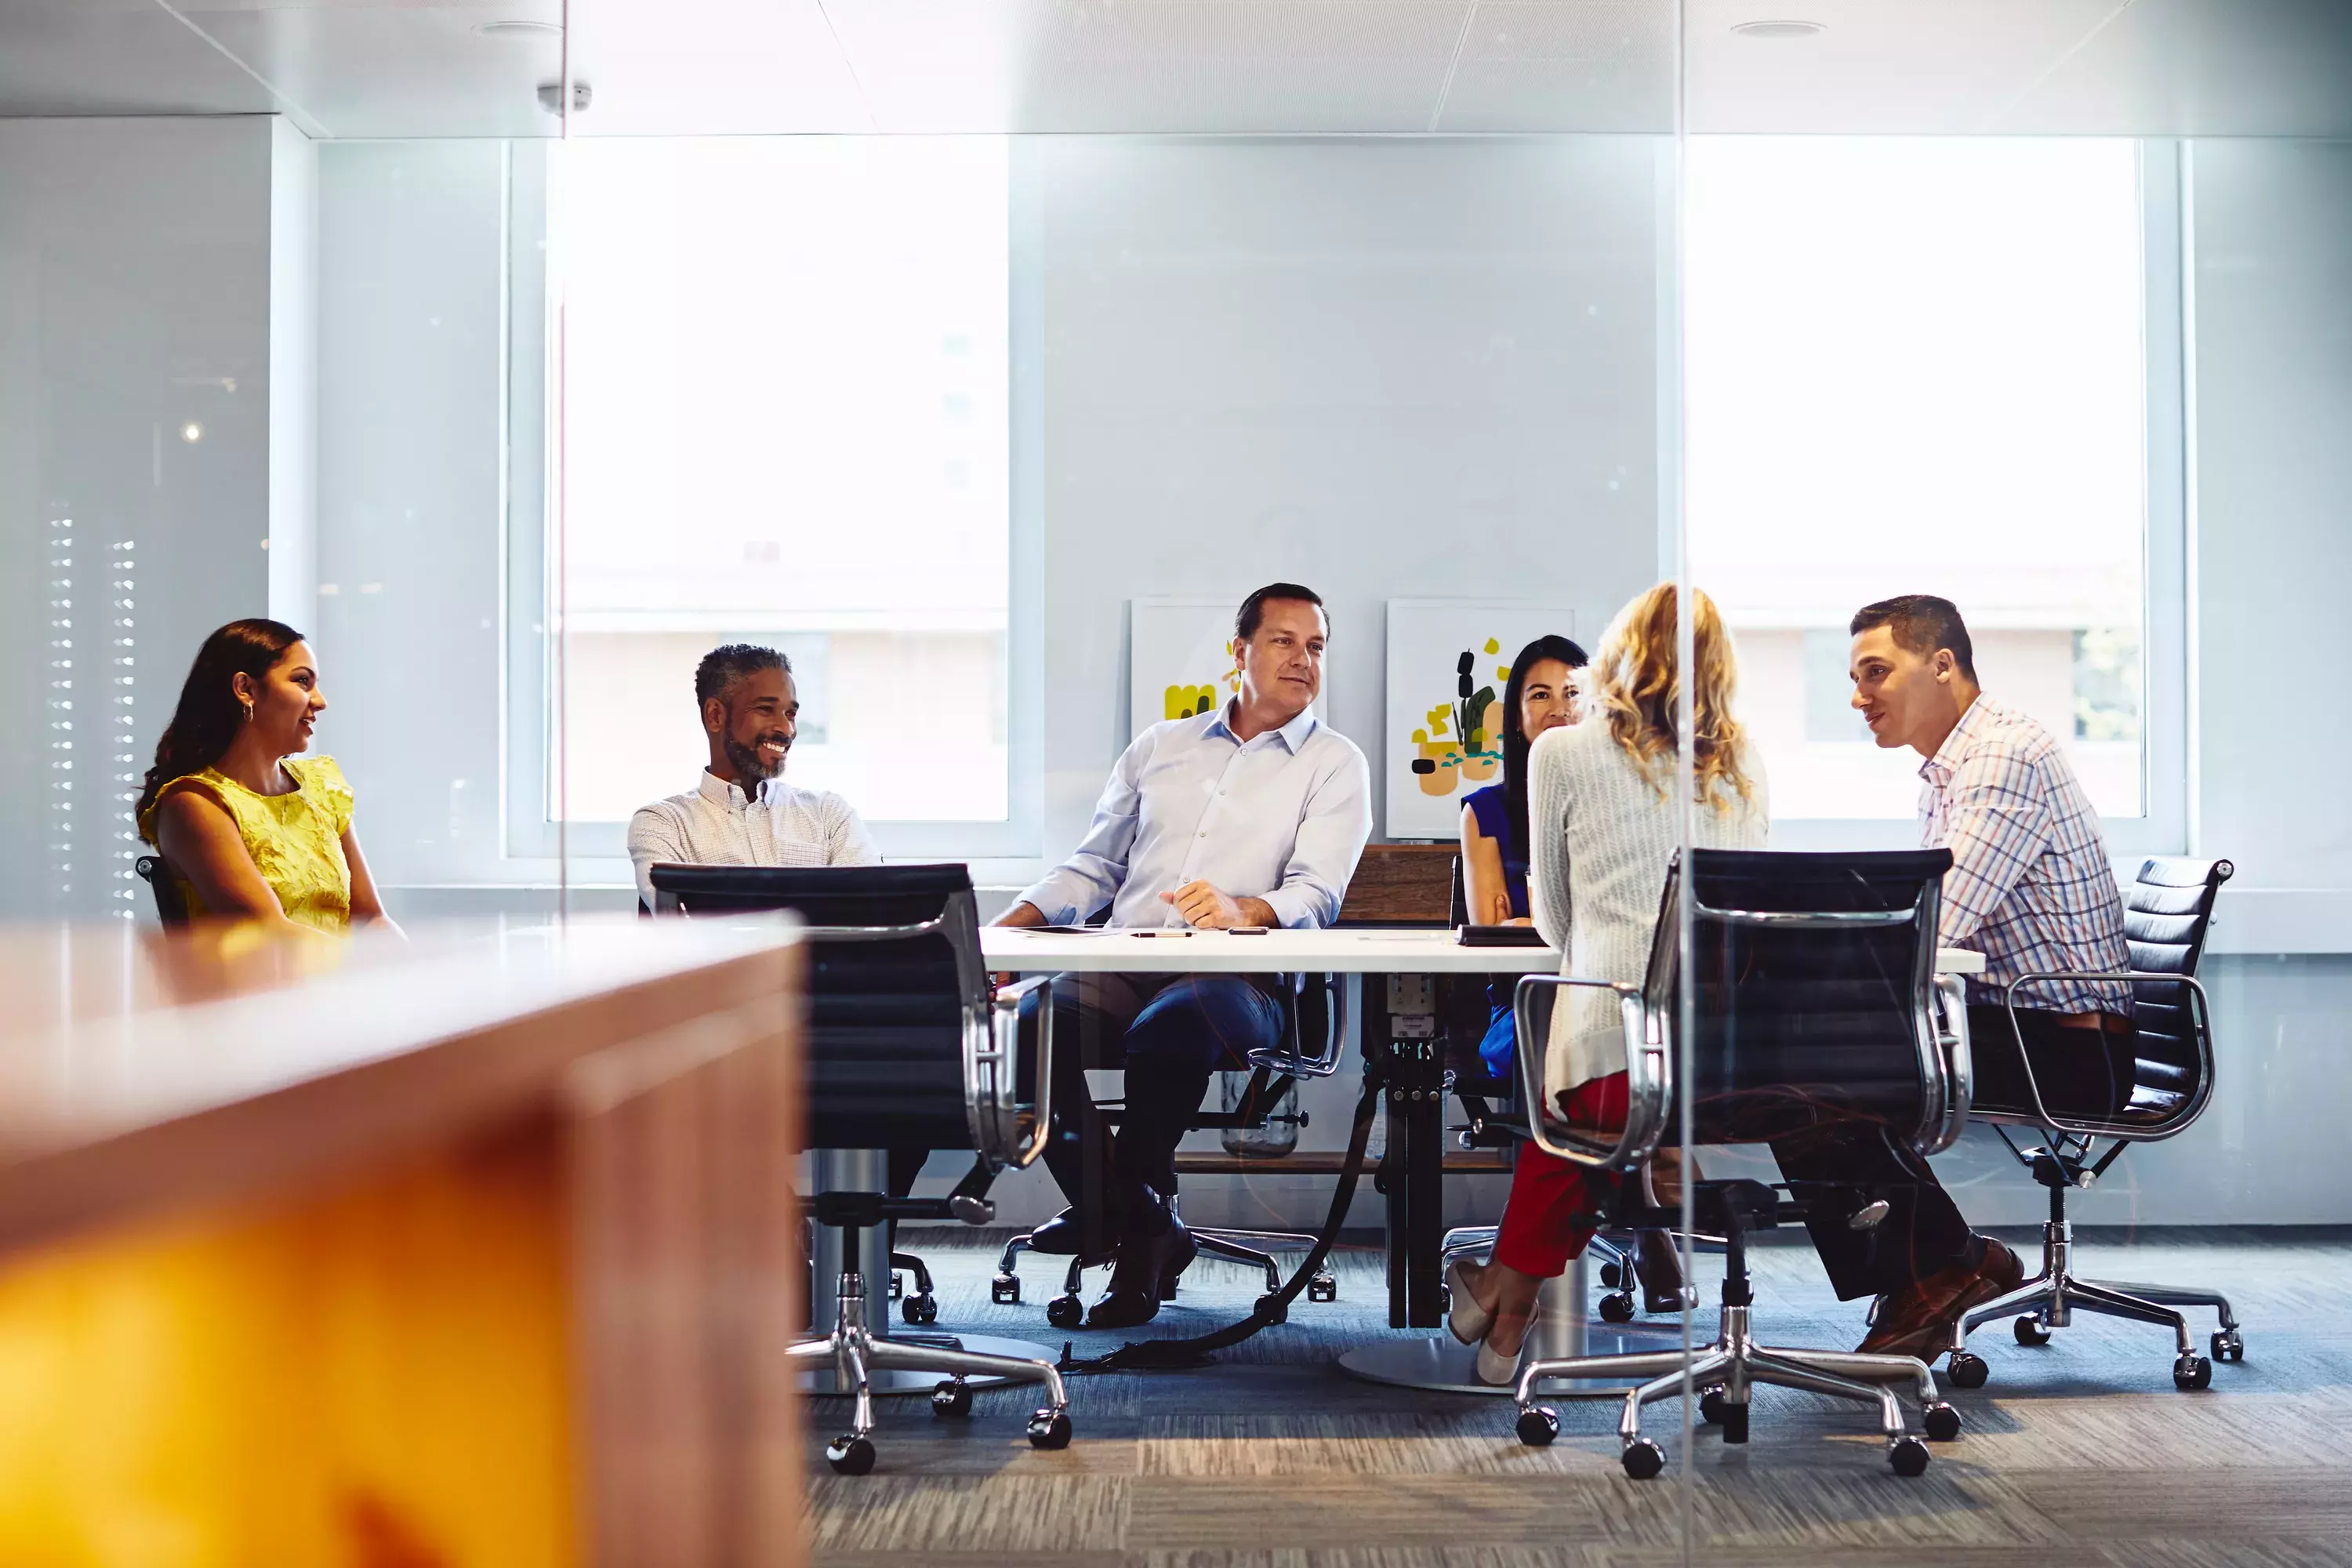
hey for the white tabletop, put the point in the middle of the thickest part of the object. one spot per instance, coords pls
(1353, 951)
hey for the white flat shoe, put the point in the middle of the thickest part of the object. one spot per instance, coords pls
(1499, 1371)
(1464, 1319)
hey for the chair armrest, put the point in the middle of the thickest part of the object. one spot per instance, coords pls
(1291, 1057)
(2086, 1127)
(1004, 1048)
(1959, 1063)
(1648, 1079)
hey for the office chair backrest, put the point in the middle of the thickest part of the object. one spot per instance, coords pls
(2167, 912)
(899, 997)
(1814, 974)
(170, 904)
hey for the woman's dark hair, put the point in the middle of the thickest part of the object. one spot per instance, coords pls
(1514, 743)
(209, 715)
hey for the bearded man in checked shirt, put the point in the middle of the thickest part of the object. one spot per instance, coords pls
(2032, 888)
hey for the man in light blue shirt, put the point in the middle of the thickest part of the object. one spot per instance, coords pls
(1254, 816)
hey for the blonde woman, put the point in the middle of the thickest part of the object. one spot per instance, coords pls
(1603, 823)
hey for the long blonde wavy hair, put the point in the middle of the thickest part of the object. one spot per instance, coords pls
(1633, 689)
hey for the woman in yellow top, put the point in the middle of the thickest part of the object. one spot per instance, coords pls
(249, 828)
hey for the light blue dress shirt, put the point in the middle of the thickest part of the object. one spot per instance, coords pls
(1282, 817)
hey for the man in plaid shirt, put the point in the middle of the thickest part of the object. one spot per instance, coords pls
(2032, 888)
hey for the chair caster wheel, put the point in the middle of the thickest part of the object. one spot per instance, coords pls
(1617, 1306)
(1004, 1291)
(1323, 1287)
(1538, 1425)
(1065, 1312)
(1613, 1275)
(953, 1397)
(898, 1285)
(2029, 1332)
(921, 1309)
(1968, 1370)
(1049, 1429)
(1642, 1459)
(2229, 1346)
(1271, 1308)
(1711, 1407)
(1735, 1422)
(2191, 1372)
(1908, 1456)
(850, 1456)
(1943, 1422)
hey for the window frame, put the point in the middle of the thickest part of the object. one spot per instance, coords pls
(2162, 828)
(531, 702)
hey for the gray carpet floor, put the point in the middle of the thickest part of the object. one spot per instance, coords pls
(2081, 1452)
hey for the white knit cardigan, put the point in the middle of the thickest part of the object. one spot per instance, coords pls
(1601, 835)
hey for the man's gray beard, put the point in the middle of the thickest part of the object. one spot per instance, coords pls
(749, 765)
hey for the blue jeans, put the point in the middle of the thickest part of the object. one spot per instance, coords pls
(1170, 1032)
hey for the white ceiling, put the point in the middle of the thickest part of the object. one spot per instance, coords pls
(418, 68)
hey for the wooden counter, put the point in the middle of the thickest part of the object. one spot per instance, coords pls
(472, 1250)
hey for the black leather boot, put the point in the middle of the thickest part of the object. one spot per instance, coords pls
(1658, 1265)
(1152, 1244)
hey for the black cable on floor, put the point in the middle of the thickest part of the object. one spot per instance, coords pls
(1172, 1355)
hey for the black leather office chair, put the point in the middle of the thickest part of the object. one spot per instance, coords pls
(1816, 998)
(1313, 1035)
(908, 1044)
(171, 905)
(2167, 915)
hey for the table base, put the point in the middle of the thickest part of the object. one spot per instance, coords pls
(1441, 1366)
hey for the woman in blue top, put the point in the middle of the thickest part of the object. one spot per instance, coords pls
(1540, 695)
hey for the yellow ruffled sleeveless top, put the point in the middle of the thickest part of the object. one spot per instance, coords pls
(295, 839)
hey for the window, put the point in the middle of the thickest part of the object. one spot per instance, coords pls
(783, 419)
(1923, 365)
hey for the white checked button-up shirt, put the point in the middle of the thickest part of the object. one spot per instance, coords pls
(1282, 816)
(2031, 886)
(718, 824)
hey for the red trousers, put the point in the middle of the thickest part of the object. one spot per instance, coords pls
(1539, 1234)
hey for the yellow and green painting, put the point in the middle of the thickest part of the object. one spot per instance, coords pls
(1448, 663)
(1462, 740)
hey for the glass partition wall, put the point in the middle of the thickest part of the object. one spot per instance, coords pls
(2032, 324)
(956, 420)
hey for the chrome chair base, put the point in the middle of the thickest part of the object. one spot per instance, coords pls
(855, 1354)
(1724, 1373)
(2050, 1299)
(1067, 1310)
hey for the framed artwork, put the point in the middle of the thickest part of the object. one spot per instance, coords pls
(1181, 659)
(1447, 662)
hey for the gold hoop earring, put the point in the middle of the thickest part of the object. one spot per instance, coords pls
(248, 712)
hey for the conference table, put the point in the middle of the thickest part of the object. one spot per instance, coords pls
(1399, 1035)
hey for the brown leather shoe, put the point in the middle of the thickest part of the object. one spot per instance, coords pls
(1918, 1321)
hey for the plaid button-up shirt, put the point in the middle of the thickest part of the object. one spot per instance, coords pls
(2031, 887)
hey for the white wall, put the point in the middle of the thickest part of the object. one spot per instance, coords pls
(2272, 345)
(135, 299)
(293, 374)
(412, 444)
(1384, 369)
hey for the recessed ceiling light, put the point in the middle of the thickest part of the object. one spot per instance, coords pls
(518, 29)
(1788, 29)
